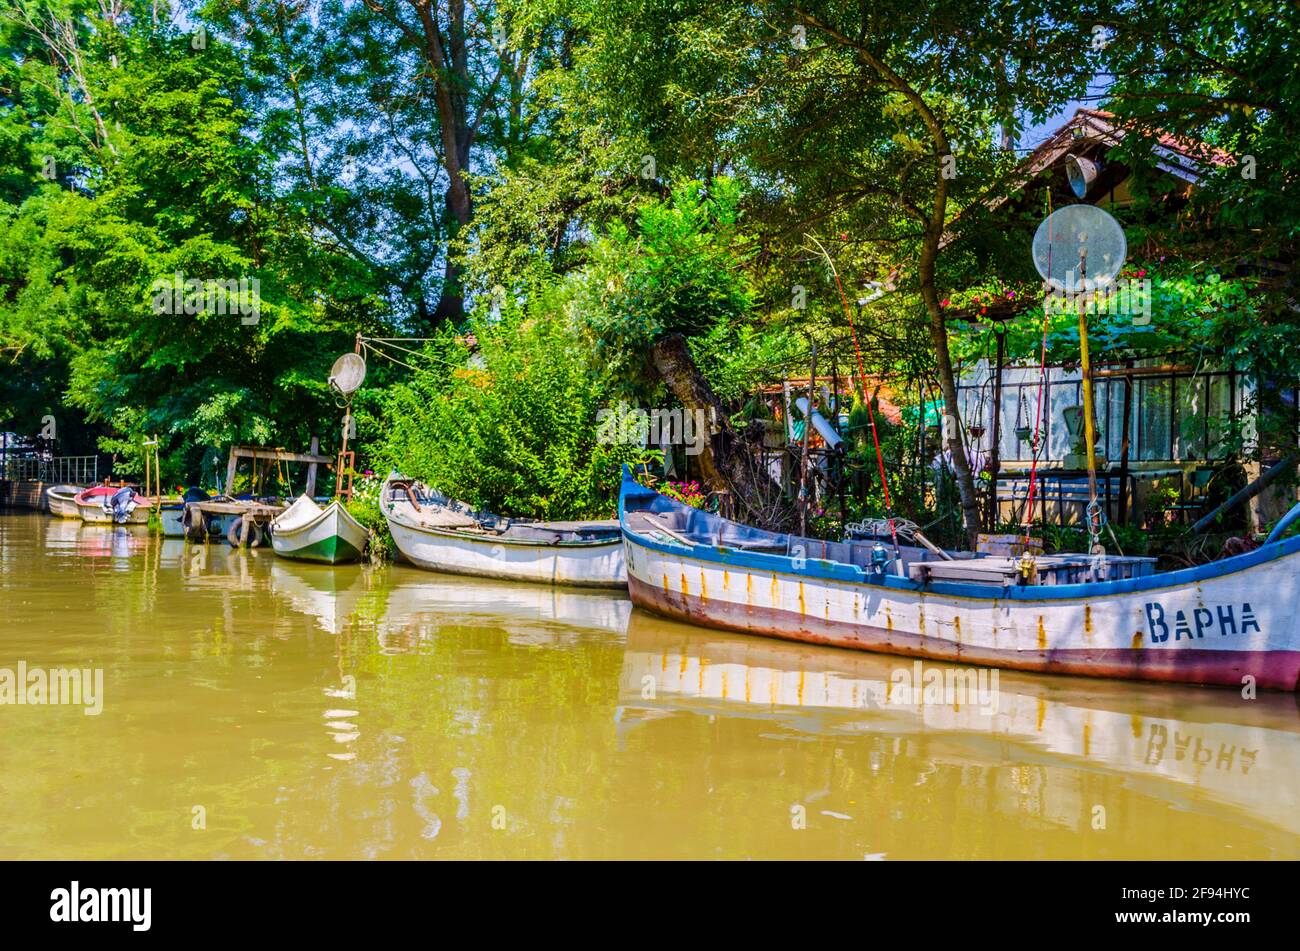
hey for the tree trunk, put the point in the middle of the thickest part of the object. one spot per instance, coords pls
(448, 57)
(726, 458)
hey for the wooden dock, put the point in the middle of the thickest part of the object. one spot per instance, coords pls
(248, 531)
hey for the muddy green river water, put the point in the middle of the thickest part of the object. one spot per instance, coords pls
(253, 707)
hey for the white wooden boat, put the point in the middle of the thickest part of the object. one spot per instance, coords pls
(1220, 623)
(62, 500)
(441, 534)
(308, 532)
(95, 506)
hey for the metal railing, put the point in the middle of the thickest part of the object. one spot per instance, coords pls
(77, 470)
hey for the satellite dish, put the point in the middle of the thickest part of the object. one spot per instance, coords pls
(1079, 248)
(347, 373)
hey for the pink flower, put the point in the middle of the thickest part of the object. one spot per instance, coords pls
(1142, 273)
(945, 302)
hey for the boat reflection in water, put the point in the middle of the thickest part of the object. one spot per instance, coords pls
(110, 541)
(406, 608)
(332, 597)
(1192, 746)
(60, 536)
(419, 602)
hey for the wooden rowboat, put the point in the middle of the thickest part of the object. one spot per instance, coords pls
(441, 534)
(1220, 623)
(62, 500)
(310, 533)
(94, 505)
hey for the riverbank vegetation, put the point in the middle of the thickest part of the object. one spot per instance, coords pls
(572, 203)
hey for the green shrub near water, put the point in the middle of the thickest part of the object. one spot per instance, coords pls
(507, 421)
(364, 507)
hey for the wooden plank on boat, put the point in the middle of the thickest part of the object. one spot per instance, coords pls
(652, 520)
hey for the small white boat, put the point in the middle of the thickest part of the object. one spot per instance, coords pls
(441, 534)
(308, 532)
(95, 505)
(62, 500)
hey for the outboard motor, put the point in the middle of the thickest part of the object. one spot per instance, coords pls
(122, 503)
(880, 558)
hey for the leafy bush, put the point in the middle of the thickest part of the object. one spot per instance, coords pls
(364, 507)
(507, 420)
(680, 270)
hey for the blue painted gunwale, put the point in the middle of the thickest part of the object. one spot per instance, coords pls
(821, 569)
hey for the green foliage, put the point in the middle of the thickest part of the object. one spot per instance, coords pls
(681, 270)
(737, 358)
(364, 507)
(510, 423)
(159, 172)
(665, 166)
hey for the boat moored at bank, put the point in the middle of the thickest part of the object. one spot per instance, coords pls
(109, 504)
(62, 500)
(442, 534)
(310, 532)
(1231, 622)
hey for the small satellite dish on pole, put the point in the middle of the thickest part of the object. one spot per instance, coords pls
(1079, 248)
(348, 373)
